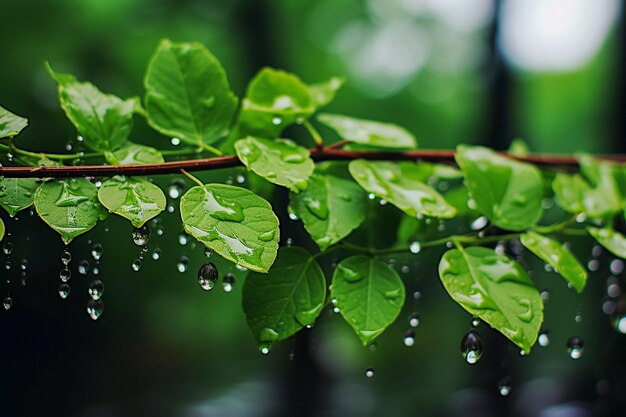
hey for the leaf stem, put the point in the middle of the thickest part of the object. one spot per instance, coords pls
(56, 156)
(210, 148)
(192, 178)
(317, 138)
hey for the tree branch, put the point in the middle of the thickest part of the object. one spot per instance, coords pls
(319, 155)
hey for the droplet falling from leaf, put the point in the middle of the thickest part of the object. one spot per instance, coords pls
(65, 274)
(7, 248)
(64, 290)
(136, 265)
(66, 257)
(471, 347)
(96, 289)
(181, 266)
(504, 387)
(228, 282)
(575, 347)
(156, 255)
(96, 251)
(95, 308)
(409, 338)
(141, 235)
(7, 303)
(543, 339)
(369, 372)
(414, 320)
(208, 276)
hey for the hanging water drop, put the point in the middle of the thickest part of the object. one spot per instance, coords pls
(369, 372)
(141, 235)
(83, 267)
(543, 339)
(471, 347)
(183, 239)
(66, 257)
(64, 290)
(475, 322)
(95, 308)
(175, 141)
(415, 247)
(228, 282)
(208, 276)
(504, 387)
(208, 252)
(479, 223)
(181, 266)
(414, 320)
(136, 265)
(7, 248)
(24, 264)
(65, 274)
(176, 188)
(96, 289)
(96, 251)
(409, 338)
(7, 303)
(575, 347)
(156, 255)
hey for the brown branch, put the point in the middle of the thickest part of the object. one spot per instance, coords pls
(325, 154)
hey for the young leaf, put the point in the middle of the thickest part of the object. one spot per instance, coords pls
(330, 208)
(1, 229)
(603, 199)
(69, 206)
(507, 192)
(614, 241)
(11, 124)
(570, 191)
(133, 153)
(496, 289)
(558, 257)
(280, 161)
(395, 183)
(17, 193)
(324, 92)
(234, 222)
(103, 120)
(136, 199)
(369, 133)
(369, 295)
(274, 100)
(187, 94)
(291, 296)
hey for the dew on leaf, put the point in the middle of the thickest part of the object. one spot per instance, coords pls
(471, 347)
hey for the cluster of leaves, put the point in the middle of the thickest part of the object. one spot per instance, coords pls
(187, 96)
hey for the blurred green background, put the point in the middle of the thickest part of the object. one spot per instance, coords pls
(451, 71)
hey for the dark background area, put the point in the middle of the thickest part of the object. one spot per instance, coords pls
(471, 71)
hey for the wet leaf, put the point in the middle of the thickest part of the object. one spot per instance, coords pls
(286, 299)
(187, 94)
(103, 120)
(324, 92)
(558, 257)
(330, 208)
(603, 198)
(570, 191)
(17, 193)
(507, 192)
(234, 222)
(133, 153)
(496, 289)
(395, 183)
(2, 229)
(11, 124)
(69, 206)
(135, 199)
(369, 295)
(614, 241)
(368, 132)
(279, 161)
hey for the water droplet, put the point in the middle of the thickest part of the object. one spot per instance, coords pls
(176, 188)
(7, 303)
(96, 289)
(95, 270)
(208, 252)
(415, 247)
(619, 323)
(575, 347)
(24, 264)
(417, 295)
(181, 266)
(616, 266)
(593, 265)
(7, 264)
(369, 372)
(479, 223)
(414, 320)
(175, 141)
(267, 236)
(95, 308)
(545, 295)
(171, 208)
(136, 265)
(240, 179)
(228, 282)
(578, 318)
(66, 257)
(96, 251)
(83, 267)
(471, 347)
(65, 274)
(292, 216)
(241, 268)
(156, 255)
(409, 338)
(504, 387)
(64, 290)
(543, 339)
(596, 251)
(276, 121)
(141, 235)
(475, 322)
(207, 276)
(183, 239)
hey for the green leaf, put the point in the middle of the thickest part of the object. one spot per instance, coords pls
(507, 192)
(558, 257)
(133, 153)
(136, 199)
(104, 120)
(496, 289)
(234, 222)
(603, 199)
(369, 295)
(17, 193)
(330, 208)
(614, 241)
(324, 92)
(11, 124)
(519, 147)
(369, 133)
(187, 94)
(570, 191)
(69, 206)
(1, 229)
(280, 161)
(395, 183)
(291, 296)
(274, 100)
